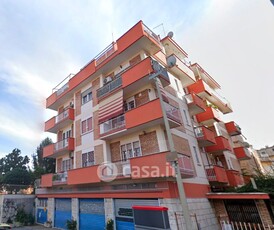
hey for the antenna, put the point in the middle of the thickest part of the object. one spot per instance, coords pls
(162, 24)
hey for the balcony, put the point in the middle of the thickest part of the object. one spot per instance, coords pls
(109, 87)
(46, 180)
(60, 121)
(203, 90)
(234, 178)
(232, 128)
(222, 144)
(204, 136)
(150, 114)
(216, 174)
(195, 104)
(88, 175)
(144, 166)
(173, 115)
(139, 37)
(180, 69)
(59, 178)
(112, 126)
(208, 117)
(242, 153)
(59, 148)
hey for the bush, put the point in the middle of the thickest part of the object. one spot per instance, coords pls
(72, 224)
(110, 224)
(24, 218)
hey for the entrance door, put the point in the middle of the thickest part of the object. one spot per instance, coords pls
(242, 211)
(62, 213)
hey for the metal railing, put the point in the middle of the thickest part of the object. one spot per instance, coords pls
(63, 85)
(151, 34)
(109, 87)
(60, 177)
(112, 124)
(61, 144)
(185, 164)
(244, 226)
(109, 50)
(172, 112)
(62, 116)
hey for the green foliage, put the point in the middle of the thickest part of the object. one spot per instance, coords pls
(17, 179)
(110, 224)
(13, 160)
(72, 224)
(42, 165)
(24, 218)
(265, 183)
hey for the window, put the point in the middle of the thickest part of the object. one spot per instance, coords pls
(130, 150)
(177, 85)
(66, 165)
(87, 125)
(196, 155)
(129, 104)
(88, 159)
(187, 121)
(86, 96)
(135, 60)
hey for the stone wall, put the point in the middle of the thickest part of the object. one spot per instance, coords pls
(201, 211)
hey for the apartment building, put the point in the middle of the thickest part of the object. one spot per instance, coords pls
(266, 156)
(120, 108)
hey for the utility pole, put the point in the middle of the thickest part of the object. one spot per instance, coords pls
(174, 155)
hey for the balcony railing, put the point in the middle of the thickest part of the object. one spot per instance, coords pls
(63, 144)
(112, 124)
(205, 136)
(63, 85)
(172, 112)
(216, 173)
(185, 165)
(63, 115)
(59, 178)
(151, 34)
(109, 87)
(108, 51)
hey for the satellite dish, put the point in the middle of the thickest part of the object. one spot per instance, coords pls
(170, 34)
(171, 61)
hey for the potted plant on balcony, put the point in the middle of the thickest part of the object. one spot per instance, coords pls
(110, 224)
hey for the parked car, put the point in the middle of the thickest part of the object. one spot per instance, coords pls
(4, 226)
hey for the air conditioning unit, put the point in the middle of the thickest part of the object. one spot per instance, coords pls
(107, 80)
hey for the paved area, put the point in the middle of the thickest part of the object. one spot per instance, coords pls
(34, 227)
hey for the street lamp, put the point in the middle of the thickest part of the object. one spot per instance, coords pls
(173, 155)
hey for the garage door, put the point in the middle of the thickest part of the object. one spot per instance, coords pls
(91, 214)
(62, 213)
(124, 213)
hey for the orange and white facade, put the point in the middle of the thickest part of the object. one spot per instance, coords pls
(110, 111)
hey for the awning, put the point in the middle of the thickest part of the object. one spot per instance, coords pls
(111, 107)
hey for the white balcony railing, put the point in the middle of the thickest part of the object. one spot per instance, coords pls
(112, 124)
(61, 116)
(61, 144)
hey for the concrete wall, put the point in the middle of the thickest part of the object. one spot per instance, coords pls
(9, 204)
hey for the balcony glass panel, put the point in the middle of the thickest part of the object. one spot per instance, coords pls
(112, 124)
(109, 87)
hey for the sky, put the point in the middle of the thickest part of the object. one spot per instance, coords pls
(42, 42)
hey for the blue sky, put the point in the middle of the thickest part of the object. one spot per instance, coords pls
(43, 41)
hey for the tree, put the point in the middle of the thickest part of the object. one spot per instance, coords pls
(16, 179)
(13, 160)
(42, 165)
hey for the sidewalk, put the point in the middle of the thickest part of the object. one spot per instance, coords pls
(33, 227)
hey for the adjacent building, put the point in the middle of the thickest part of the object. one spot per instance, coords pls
(120, 108)
(266, 156)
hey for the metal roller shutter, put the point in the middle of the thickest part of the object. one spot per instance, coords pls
(91, 214)
(62, 213)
